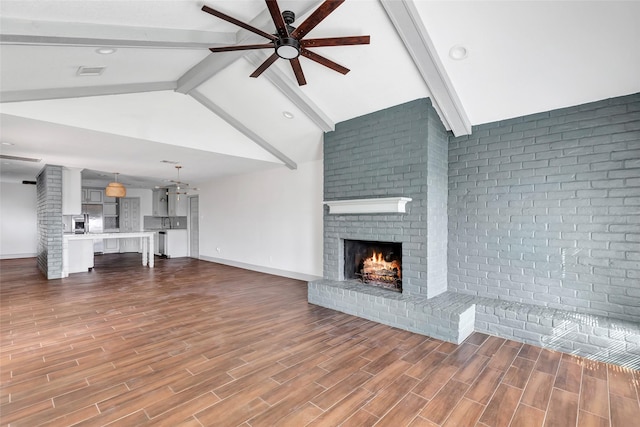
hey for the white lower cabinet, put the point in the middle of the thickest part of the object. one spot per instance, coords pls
(80, 256)
(111, 246)
(177, 243)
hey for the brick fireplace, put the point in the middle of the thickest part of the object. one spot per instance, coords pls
(400, 152)
(556, 266)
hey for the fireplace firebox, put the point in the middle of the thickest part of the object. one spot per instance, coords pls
(374, 263)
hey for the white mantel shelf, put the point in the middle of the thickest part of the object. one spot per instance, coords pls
(367, 206)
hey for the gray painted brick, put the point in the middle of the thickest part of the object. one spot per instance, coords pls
(50, 227)
(588, 191)
(542, 214)
(396, 167)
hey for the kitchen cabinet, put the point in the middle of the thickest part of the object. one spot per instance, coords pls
(177, 205)
(92, 195)
(80, 256)
(168, 204)
(111, 246)
(110, 209)
(160, 206)
(175, 243)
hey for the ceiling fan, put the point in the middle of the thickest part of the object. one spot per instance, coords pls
(289, 42)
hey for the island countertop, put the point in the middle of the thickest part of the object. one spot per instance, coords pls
(146, 238)
(91, 236)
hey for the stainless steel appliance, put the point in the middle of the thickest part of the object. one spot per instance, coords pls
(162, 243)
(79, 224)
(94, 224)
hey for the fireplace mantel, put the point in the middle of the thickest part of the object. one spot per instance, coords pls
(367, 206)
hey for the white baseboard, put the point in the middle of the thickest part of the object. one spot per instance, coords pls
(262, 269)
(15, 256)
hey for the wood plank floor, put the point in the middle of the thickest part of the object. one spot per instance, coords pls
(194, 343)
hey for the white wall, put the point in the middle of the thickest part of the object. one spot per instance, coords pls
(268, 221)
(18, 220)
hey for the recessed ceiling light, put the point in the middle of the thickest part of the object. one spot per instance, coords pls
(106, 50)
(288, 115)
(458, 52)
(7, 143)
(90, 71)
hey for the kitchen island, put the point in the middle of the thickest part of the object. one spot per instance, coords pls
(146, 239)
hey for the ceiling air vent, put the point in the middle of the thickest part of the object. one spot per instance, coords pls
(90, 71)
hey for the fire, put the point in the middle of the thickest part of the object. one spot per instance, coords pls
(377, 269)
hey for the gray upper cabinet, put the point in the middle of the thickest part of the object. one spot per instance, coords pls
(160, 205)
(92, 195)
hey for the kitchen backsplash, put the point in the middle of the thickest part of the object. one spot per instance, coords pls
(165, 222)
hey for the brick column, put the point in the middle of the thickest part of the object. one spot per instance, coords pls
(50, 226)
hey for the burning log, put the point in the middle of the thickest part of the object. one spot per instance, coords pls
(376, 270)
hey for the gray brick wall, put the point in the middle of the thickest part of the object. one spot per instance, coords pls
(437, 195)
(50, 226)
(400, 151)
(545, 209)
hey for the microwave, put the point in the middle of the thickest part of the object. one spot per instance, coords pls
(79, 224)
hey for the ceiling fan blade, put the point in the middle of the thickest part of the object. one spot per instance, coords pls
(241, 47)
(324, 61)
(274, 10)
(297, 70)
(335, 41)
(270, 60)
(315, 18)
(241, 24)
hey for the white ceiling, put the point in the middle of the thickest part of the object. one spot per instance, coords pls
(163, 96)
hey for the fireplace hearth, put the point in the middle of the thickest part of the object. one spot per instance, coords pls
(374, 263)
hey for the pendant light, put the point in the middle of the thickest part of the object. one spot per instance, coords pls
(115, 189)
(181, 187)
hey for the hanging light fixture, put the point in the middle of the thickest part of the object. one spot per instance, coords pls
(181, 187)
(115, 189)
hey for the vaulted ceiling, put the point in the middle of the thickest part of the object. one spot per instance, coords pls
(163, 96)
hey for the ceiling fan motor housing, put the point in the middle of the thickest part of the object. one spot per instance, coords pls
(287, 47)
(288, 16)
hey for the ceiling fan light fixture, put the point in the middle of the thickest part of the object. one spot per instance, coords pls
(115, 189)
(287, 48)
